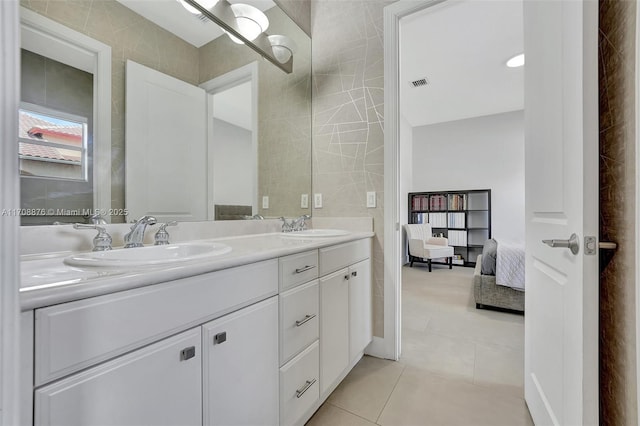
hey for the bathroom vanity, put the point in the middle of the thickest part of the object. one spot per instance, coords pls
(259, 335)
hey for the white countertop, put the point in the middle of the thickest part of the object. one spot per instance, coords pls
(46, 280)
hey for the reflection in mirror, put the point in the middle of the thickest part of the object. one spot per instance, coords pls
(282, 126)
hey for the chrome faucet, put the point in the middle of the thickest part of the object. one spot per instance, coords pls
(286, 225)
(102, 241)
(135, 237)
(299, 224)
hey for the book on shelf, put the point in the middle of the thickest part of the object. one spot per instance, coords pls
(457, 238)
(457, 201)
(438, 202)
(456, 220)
(438, 220)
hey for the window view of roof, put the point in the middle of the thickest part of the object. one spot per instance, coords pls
(58, 132)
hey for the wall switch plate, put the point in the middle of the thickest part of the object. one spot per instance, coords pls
(371, 199)
(304, 201)
(265, 202)
(317, 201)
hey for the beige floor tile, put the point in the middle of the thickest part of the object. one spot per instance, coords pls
(500, 367)
(366, 389)
(330, 415)
(421, 398)
(439, 354)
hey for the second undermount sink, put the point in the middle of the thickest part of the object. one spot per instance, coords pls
(316, 233)
(148, 256)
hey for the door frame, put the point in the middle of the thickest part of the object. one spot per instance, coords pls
(221, 83)
(9, 224)
(390, 346)
(637, 206)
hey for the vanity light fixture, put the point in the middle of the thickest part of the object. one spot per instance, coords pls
(207, 4)
(516, 61)
(283, 47)
(250, 20)
(246, 24)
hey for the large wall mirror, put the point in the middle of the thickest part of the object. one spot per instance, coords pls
(134, 107)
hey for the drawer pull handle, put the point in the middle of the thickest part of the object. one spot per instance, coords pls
(305, 319)
(187, 353)
(304, 269)
(305, 388)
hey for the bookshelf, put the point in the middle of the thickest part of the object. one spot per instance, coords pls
(464, 217)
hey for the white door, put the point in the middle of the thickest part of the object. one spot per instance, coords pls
(241, 368)
(561, 181)
(360, 315)
(160, 384)
(166, 147)
(334, 328)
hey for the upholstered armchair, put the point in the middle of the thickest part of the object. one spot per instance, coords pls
(423, 246)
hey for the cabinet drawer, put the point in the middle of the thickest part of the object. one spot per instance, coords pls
(299, 386)
(342, 255)
(298, 268)
(157, 385)
(76, 335)
(298, 319)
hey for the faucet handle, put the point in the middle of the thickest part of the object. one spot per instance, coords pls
(162, 236)
(102, 241)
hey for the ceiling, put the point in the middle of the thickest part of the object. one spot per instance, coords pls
(461, 47)
(170, 15)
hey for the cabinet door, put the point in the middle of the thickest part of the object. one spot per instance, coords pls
(334, 327)
(360, 316)
(160, 384)
(241, 367)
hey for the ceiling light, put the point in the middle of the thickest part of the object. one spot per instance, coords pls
(283, 47)
(516, 61)
(207, 4)
(251, 22)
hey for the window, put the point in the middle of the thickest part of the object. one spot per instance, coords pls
(52, 144)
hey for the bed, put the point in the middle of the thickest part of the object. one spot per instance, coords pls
(498, 278)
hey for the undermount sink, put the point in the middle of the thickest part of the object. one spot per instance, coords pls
(316, 233)
(148, 256)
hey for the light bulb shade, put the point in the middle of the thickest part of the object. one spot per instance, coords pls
(207, 4)
(250, 21)
(283, 47)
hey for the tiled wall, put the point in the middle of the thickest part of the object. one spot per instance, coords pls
(348, 104)
(617, 49)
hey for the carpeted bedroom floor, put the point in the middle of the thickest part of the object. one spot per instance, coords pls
(459, 366)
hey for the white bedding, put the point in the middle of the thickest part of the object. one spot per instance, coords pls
(510, 265)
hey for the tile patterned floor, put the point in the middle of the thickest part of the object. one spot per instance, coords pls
(459, 366)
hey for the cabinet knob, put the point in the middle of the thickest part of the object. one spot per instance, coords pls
(354, 274)
(187, 353)
(346, 277)
(220, 338)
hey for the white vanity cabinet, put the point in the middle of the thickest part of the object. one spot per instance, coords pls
(259, 344)
(240, 353)
(345, 309)
(157, 385)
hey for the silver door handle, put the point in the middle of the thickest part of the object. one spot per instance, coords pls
(305, 388)
(304, 269)
(572, 243)
(305, 319)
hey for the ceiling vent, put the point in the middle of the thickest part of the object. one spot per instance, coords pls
(420, 82)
